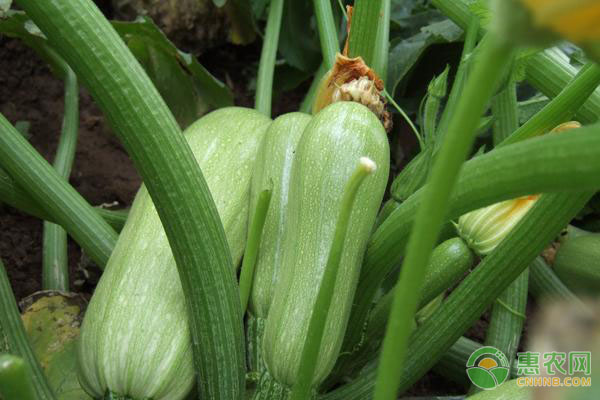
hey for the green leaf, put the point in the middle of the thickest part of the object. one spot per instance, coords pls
(405, 54)
(219, 3)
(187, 87)
(298, 43)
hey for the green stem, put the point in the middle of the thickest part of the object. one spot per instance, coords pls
(508, 316)
(15, 383)
(472, 33)
(161, 154)
(307, 103)
(310, 352)
(544, 285)
(562, 107)
(55, 262)
(266, 68)
(12, 326)
(252, 246)
(327, 32)
(14, 196)
(382, 43)
(435, 94)
(33, 173)
(366, 23)
(504, 108)
(491, 62)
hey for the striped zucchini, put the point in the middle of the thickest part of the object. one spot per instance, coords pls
(327, 155)
(135, 339)
(577, 263)
(272, 170)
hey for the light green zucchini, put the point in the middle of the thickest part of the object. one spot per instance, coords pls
(577, 263)
(135, 340)
(327, 155)
(273, 171)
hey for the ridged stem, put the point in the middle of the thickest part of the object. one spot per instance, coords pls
(310, 351)
(488, 69)
(55, 262)
(266, 67)
(327, 32)
(367, 33)
(12, 326)
(161, 154)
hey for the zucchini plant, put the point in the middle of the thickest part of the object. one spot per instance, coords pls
(358, 275)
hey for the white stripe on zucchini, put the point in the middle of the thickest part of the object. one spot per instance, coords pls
(326, 157)
(135, 339)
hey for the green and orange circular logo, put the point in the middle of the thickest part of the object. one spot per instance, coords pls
(488, 368)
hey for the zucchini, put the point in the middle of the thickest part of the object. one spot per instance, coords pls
(273, 169)
(135, 340)
(327, 155)
(577, 263)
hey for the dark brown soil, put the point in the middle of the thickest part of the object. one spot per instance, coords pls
(102, 172)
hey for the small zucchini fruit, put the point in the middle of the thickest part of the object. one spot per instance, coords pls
(135, 339)
(272, 170)
(327, 155)
(577, 263)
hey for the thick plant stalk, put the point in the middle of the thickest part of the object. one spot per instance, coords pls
(12, 326)
(367, 20)
(490, 66)
(266, 68)
(55, 263)
(154, 141)
(327, 32)
(310, 352)
(33, 173)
